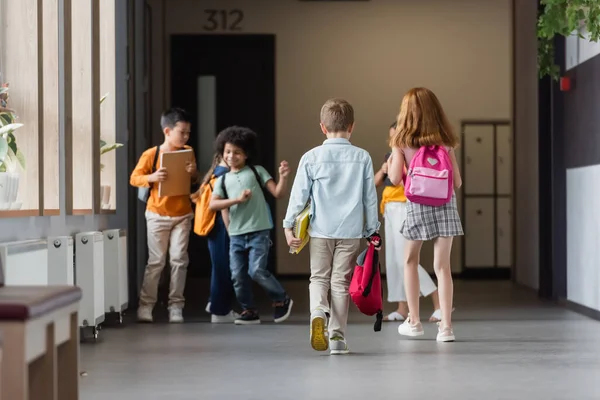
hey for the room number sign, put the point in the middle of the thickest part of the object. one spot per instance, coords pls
(223, 20)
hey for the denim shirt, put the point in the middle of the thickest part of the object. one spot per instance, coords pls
(339, 180)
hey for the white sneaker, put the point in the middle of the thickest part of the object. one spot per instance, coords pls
(144, 314)
(319, 337)
(175, 315)
(445, 334)
(207, 309)
(224, 319)
(338, 346)
(408, 329)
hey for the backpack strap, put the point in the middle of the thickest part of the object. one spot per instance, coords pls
(154, 163)
(224, 187)
(374, 269)
(155, 158)
(256, 175)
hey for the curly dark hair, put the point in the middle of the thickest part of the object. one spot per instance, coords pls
(239, 136)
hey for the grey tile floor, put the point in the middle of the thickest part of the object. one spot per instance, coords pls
(509, 346)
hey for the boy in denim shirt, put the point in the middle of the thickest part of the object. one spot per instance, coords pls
(338, 179)
(250, 222)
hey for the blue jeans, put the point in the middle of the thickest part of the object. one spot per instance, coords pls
(221, 286)
(248, 255)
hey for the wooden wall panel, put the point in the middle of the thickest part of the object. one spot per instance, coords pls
(20, 69)
(108, 87)
(50, 137)
(82, 131)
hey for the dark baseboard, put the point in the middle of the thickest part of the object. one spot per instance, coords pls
(485, 274)
(578, 308)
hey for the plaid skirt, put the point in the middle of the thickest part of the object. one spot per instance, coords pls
(427, 222)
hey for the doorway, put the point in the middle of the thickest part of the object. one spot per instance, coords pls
(224, 80)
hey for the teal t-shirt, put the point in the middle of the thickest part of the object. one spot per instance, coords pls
(253, 215)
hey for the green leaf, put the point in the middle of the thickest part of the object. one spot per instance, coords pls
(103, 98)
(12, 142)
(3, 149)
(564, 18)
(9, 128)
(110, 147)
(102, 143)
(21, 158)
(6, 118)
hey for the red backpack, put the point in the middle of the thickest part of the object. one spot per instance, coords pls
(365, 288)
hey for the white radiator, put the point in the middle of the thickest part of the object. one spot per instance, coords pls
(25, 262)
(116, 291)
(60, 261)
(89, 276)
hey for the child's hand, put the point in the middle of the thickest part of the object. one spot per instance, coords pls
(292, 241)
(190, 167)
(384, 167)
(159, 175)
(246, 194)
(284, 169)
(375, 240)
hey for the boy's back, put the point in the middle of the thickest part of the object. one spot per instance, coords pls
(339, 178)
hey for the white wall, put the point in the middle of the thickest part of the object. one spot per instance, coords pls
(526, 145)
(583, 236)
(579, 50)
(368, 52)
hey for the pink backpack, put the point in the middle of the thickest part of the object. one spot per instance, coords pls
(429, 177)
(365, 287)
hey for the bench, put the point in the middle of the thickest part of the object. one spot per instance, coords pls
(40, 332)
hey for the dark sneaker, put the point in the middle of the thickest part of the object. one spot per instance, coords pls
(283, 310)
(248, 317)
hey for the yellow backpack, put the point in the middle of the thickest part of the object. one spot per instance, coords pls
(204, 220)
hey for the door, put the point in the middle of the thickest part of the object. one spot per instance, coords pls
(224, 80)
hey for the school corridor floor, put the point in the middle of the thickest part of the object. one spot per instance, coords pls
(509, 346)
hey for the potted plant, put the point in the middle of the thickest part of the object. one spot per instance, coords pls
(105, 147)
(11, 156)
(564, 18)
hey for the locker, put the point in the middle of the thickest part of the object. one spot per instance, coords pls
(504, 160)
(479, 233)
(478, 148)
(504, 232)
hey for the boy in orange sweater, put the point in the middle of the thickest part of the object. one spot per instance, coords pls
(168, 219)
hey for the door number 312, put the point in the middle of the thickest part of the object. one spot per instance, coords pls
(226, 20)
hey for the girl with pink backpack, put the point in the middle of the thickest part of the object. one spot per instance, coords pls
(424, 143)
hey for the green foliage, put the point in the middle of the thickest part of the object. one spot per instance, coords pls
(564, 18)
(10, 154)
(105, 147)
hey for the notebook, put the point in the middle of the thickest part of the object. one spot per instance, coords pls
(300, 228)
(178, 181)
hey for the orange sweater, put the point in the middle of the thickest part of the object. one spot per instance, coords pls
(167, 206)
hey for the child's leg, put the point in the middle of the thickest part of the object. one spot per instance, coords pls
(321, 260)
(442, 247)
(221, 286)
(259, 244)
(159, 231)
(238, 263)
(411, 278)
(344, 261)
(179, 259)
